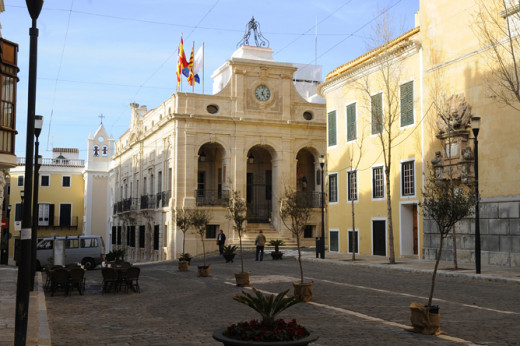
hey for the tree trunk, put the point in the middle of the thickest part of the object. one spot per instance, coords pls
(353, 233)
(435, 273)
(203, 249)
(241, 254)
(391, 257)
(299, 258)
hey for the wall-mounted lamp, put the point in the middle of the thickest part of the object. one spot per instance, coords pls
(202, 157)
(251, 158)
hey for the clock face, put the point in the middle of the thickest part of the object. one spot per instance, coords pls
(262, 93)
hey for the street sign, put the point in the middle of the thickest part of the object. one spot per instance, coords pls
(3, 223)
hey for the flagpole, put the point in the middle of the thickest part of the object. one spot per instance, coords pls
(203, 67)
(193, 82)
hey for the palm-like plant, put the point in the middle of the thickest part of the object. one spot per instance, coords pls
(237, 209)
(200, 219)
(183, 221)
(267, 305)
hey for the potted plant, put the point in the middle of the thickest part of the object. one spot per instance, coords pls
(183, 222)
(295, 212)
(200, 219)
(229, 252)
(276, 254)
(115, 255)
(237, 209)
(445, 201)
(269, 330)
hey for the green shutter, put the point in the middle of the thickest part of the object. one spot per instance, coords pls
(377, 113)
(332, 128)
(351, 122)
(407, 104)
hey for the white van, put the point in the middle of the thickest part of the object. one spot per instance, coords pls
(88, 250)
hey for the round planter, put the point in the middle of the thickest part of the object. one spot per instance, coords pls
(276, 255)
(425, 321)
(203, 271)
(303, 291)
(217, 335)
(184, 266)
(229, 257)
(242, 279)
(185, 259)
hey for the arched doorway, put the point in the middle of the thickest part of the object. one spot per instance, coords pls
(308, 176)
(211, 174)
(259, 185)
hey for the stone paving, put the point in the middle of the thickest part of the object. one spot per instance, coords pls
(179, 308)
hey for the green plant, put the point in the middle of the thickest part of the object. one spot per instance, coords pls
(116, 255)
(184, 222)
(267, 305)
(237, 211)
(277, 243)
(295, 213)
(200, 219)
(229, 249)
(185, 256)
(446, 202)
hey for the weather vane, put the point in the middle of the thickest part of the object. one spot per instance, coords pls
(260, 40)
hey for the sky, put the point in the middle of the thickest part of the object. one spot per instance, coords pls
(95, 57)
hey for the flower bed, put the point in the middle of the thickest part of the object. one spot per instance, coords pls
(255, 331)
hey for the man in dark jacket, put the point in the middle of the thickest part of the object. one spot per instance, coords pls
(221, 240)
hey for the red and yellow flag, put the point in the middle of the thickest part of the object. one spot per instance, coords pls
(182, 63)
(191, 80)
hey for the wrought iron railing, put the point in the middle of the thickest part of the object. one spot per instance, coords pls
(211, 197)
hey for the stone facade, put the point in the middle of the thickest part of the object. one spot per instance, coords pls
(256, 134)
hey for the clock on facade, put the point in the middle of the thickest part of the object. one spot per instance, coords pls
(262, 93)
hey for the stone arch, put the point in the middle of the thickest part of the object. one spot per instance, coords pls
(211, 174)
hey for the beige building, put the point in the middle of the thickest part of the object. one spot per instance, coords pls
(256, 134)
(434, 73)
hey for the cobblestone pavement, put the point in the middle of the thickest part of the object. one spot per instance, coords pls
(352, 305)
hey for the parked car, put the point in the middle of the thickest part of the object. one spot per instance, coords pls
(88, 250)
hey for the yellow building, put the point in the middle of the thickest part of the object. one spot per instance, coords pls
(447, 76)
(60, 195)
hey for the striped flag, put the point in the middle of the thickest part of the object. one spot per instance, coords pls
(190, 68)
(182, 63)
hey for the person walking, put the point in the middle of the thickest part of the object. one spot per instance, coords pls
(260, 243)
(221, 240)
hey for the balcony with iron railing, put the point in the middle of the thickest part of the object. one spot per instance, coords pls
(161, 199)
(208, 197)
(312, 197)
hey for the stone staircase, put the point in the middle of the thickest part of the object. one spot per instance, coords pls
(270, 233)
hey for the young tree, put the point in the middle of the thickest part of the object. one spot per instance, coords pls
(237, 209)
(445, 201)
(295, 212)
(497, 25)
(200, 219)
(183, 221)
(353, 184)
(384, 107)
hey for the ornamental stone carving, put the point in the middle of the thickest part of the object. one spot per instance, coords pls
(456, 159)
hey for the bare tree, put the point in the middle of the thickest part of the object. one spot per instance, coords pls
(354, 161)
(497, 26)
(385, 105)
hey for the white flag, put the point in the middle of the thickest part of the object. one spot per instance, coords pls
(198, 62)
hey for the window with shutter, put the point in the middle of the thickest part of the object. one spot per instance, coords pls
(331, 122)
(351, 122)
(407, 104)
(377, 113)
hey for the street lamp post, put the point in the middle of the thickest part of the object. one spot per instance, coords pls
(322, 242)
(475, 126)
(24, 270)
(38, 123)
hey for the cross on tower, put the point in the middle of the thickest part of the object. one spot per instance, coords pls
(101, 116)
